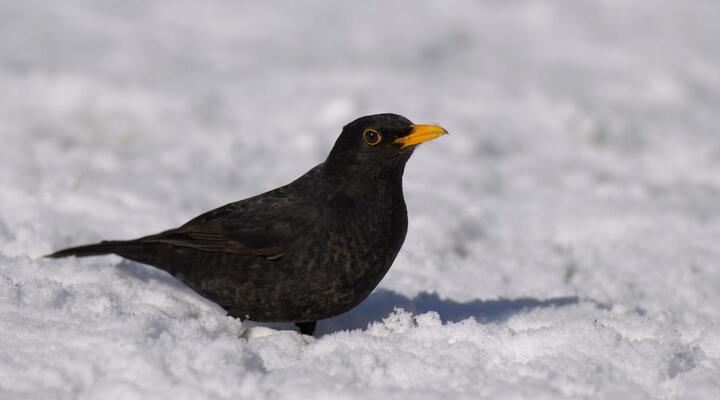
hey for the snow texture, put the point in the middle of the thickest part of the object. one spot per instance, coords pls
(563, 241)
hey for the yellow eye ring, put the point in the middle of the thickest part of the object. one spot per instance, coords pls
(372, 137)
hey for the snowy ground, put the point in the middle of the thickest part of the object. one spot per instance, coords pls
(564, 239)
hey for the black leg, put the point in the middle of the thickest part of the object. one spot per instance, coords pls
(306, 328)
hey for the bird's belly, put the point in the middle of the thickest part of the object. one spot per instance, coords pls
(296, 287)
(288, 290)
(311, 282)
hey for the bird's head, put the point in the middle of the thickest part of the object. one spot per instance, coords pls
(379, 144)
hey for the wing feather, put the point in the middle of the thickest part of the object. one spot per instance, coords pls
(264, 226)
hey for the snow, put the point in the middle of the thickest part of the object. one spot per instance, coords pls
(563, 239)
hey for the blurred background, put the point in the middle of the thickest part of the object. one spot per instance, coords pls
(584, 138)
(583, 157)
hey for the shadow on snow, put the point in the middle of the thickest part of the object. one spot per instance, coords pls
(382, 302)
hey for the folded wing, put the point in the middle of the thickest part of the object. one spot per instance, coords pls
(265, 226)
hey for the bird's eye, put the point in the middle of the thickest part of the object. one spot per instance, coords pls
(372, 137)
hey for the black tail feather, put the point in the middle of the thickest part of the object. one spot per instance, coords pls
(97, 249)
(152, 254)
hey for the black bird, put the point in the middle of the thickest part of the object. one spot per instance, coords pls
(306, 251)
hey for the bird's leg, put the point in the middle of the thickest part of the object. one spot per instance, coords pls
(306, 328)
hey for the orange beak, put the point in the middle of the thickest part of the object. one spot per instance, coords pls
(421, 134)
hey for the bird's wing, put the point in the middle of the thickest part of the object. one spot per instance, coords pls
(260, 226)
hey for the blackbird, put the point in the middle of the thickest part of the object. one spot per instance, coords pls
(306, 251)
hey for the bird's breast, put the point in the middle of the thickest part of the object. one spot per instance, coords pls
(369, 230)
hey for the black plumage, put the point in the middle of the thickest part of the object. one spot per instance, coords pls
(306, 251)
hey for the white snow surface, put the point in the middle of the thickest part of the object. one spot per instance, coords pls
(564, 239)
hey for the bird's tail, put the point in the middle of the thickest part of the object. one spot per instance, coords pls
(97, 249)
